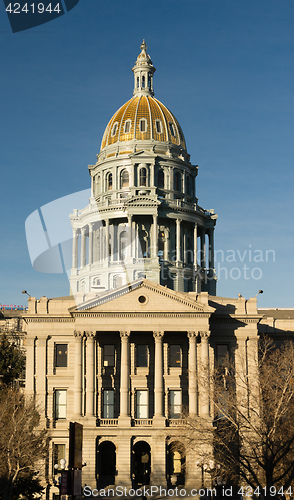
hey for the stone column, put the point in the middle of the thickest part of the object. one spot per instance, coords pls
(203, 250)
(111, 243)
(90, 374)
(75, 239)
(30, 364)
(195, 246)
(192, 336)
(83, 247)
(101, 254)
(155, 237)
(91, 242)
(78, 374)
(204, 375)
(41, 371)
(158, 378)
(129, 249)
(124, 379)
(211, 249)
(107, 239)
(178, 239)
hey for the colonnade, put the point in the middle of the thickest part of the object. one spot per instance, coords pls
(197, 405)
(105, 243)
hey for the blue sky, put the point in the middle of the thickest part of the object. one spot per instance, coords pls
(224, 68)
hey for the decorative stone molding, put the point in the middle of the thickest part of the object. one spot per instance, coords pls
(124, 335)
(192, 336)
(204, 335)
(158, 336)
(78, 335)
(90, 335)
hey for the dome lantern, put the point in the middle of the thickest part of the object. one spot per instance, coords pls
(143, 73)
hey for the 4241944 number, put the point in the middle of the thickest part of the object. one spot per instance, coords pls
(32, 8)
(247, 491)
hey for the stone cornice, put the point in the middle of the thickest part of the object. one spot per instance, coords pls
(50, 319)
(230, 318)
(89, 314)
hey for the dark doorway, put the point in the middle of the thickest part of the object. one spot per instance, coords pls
(106, 464)
(141, 463)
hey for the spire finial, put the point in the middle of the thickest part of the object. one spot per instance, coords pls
(143, 72)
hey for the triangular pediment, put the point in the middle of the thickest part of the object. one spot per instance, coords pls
(143, 296)
(143, 153)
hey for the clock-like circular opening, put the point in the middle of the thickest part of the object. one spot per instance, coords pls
(142, 299)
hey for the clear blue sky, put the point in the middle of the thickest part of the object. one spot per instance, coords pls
(224, 68)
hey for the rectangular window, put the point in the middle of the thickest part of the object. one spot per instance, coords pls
(222, 352)
(58, 454)
(60, 404)
(175, 404)
(109, 355)
(142, 404)
(61, 355)
(108, 403)
(142, 355)
(175, 356)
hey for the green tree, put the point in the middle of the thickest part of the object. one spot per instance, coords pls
(23, 446)
(12, 362)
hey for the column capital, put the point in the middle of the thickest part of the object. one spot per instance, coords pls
(83, 230)
(158, 336)
(204, 335)
(106, 222)
(91, 225)
(192, 336)
(178, 221)
(124, 335)
(90, 335)
(78, 335)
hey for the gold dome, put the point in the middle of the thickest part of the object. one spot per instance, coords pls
(143, 118)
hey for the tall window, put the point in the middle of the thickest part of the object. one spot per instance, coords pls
(123, 239)
(138, 82)
(124, 179)
(160, 179)
(143, 177)
(142, 355)
(174, 355)
(143, 238)
(175, 404)
(60, 404)
(158, 126)
(109, 181)
(127, 126)
(172, 129)
(109, 355)
(114, 129)
(143, 81)
(108, 403)
(60, 355)
(222, 352)
(177, 182)
(98, 184)
(188, 185)
(142, 404)
(143, 125)
(57, 455)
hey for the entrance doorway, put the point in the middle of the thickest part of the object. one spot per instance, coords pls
(106, 464)
(141, 466)
(176, 464)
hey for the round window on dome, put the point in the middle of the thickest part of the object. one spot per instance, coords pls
(114, 129)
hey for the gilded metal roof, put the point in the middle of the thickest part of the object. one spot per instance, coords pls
(143, 118)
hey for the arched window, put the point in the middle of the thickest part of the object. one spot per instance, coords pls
(143, 177)
(114, 129)
(160, 179)
(137, 82)
(188, 185)
(123, 244)
(98, 185)
(172, 129)
(143, 81)
(109, 182)
(149, 81)
(124, 179)
(177, 182)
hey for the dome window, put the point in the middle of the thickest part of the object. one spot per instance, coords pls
(143, 82)
(143, 177)
(143, 125)
(160, 179)
(114, 129)
(138, 82)
(124, 179)
(109, 182)
(172, 129)
(127, 126)
(158, 126)
(177, 182)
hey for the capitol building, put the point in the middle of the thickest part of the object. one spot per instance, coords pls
(121, 355)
